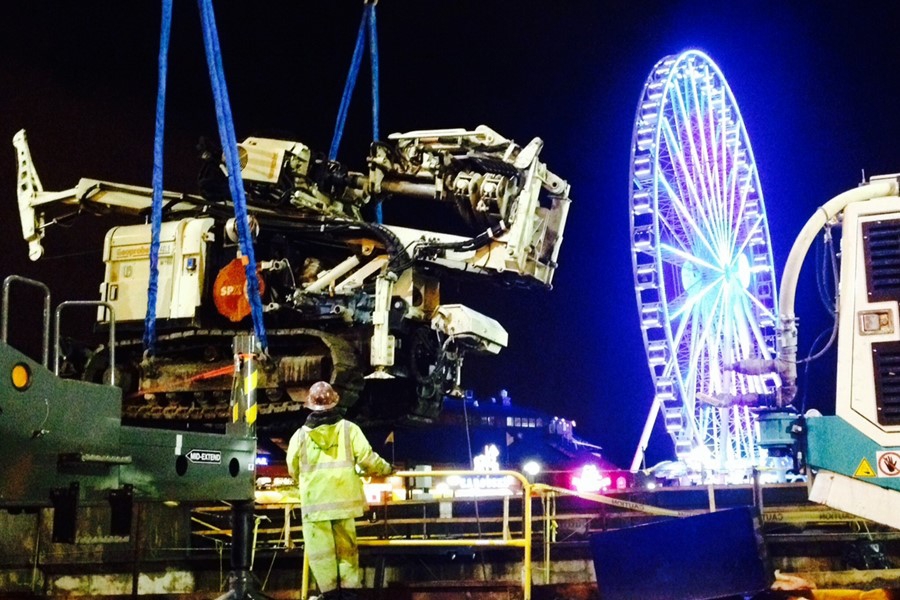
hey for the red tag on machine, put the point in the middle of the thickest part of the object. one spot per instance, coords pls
(230, 291)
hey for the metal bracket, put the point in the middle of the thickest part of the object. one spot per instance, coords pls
(65, 513)
(121, 503)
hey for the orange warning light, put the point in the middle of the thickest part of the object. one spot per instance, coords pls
(21, 376)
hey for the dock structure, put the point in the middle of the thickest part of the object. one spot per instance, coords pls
(432, 547)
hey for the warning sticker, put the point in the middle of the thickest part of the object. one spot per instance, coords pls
(864, 469)
(889, 464)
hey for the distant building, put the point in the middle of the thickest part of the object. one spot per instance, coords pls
(521, 434)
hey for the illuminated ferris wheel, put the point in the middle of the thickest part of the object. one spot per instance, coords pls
(702, 262)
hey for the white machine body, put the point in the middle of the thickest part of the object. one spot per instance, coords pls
(868, 373)
(182, 262)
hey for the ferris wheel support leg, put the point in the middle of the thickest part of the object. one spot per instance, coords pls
(640, 452)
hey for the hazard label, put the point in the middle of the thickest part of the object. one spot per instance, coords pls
(889, 464)
(864, 469)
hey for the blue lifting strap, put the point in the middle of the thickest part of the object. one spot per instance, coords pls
(368, 22)
(232, 162)
(348, 87)
(156, 213)
(373, 58)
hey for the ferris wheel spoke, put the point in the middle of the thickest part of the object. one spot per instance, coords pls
(701, 342)
(677, 222)
(710, 159)
(733, 177)
(689, 371)
(742, 445)
(702, 161)
(703, 116)
(676, 175)
(676, 256)
(673, 231)
(684, 176)
(740, 346)
(765, 310)
(689, 298)
(752, 447)
(711, 382)
(723, 212)
(685, 216)
(711, 127)
(718, 115)
(704, 424)
(754, 323)
(726, 173)
(723, 155)
(695, 157)
(683, 340)
(678, 113)
(737, 191)
(697, 357)
(741, 206)
(756, 341)
(720, 344)
(755, 344)
(684, 325)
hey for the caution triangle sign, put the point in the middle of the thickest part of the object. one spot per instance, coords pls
(864, 469)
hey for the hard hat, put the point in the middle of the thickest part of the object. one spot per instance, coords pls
(321, 396)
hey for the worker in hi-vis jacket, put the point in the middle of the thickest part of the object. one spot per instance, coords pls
(323, 457)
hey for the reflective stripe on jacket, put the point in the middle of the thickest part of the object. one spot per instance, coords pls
(323, 461)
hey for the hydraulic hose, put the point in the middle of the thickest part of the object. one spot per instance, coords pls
(787, 333)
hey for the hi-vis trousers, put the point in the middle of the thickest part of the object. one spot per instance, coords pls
(333, 555)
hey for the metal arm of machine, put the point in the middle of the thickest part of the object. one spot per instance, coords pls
(382, 349)
(497, 186)
(786, 343)
(105, 196)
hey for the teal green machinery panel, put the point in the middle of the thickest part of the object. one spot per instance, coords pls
(834, 445)
(64, 434)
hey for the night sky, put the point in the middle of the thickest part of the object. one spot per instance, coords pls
(816, 84)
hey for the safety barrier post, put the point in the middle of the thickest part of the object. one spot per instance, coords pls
(548, 504)
(526, 567)
(304, 580)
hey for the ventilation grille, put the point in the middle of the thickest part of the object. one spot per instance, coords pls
(882, 247)
(886, 362)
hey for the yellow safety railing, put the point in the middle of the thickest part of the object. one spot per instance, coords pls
(523, 542)
(546, 493)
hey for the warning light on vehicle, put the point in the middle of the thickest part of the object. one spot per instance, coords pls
(21, 376)
(590, 480)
